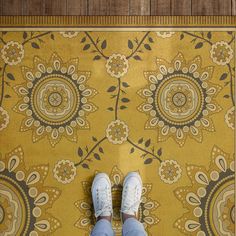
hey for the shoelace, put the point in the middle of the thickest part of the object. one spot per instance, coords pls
(104, 206)
(130, 198)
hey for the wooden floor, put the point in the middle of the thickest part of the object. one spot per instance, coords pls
(117, 7)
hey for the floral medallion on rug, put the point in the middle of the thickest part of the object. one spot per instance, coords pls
(83, 95)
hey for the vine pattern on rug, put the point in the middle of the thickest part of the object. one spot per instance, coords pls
(117, 131)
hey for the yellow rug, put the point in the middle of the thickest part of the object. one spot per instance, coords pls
(81, 95)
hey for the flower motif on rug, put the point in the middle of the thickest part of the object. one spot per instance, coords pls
(24, 198)
(170, 171)
(54, 99)
(145, 213)
(12, 53)
(117, 132)
(69, 34)
(117, 65)
(210, 198)
(179, 99)
(165, 34)
(4, 118)
(221, 53)
(230, 118)
(64, 171)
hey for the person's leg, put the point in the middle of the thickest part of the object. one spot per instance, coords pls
(102, 228)
(102, 202)
(131, 198)
(132, 227)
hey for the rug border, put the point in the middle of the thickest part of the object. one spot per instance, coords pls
(90, 21)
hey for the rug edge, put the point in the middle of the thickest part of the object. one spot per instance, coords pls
(14, 21)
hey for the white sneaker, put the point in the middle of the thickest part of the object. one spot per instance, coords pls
(101, 193)
(131, 195)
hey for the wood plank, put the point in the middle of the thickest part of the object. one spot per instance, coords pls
(233, 7)
(108, 7)
(211, 7)
(180, 7)
(12, 7)
(1, 2)
(98, 7)
(33, 7)
(120, 7)
(55, 7)
(139, 7)
(160, 7)
(77, 7)
(114, 7)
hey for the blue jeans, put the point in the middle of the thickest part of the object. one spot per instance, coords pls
(131, 227)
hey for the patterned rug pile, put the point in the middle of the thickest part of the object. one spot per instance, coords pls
(86, 95)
